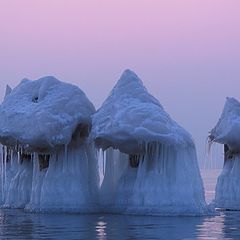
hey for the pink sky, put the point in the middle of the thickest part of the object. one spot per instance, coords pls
(186, 52)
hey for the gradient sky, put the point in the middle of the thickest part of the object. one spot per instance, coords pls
(186, 52)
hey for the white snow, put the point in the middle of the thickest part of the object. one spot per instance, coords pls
(227, 131)
(43, 114)
(167, 180)
(48, 120)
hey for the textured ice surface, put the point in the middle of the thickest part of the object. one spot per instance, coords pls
(227, 190)
(68, 184)
(17, 189)
(130, 114)
(43, 114)
(227, 131)
(167, 180)
(47, 120)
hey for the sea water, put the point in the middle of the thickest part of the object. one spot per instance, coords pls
(17, 224)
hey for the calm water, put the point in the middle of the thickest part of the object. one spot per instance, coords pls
(16, 224)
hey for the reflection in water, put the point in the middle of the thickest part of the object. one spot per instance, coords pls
(17, 224)
(128, 227)
(232, 225)
(101, 229)
(211, 228)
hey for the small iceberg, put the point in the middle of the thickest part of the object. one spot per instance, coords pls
(48, 161)
(150, 161)
(227, 132)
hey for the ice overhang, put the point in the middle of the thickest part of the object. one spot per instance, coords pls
(44, 114)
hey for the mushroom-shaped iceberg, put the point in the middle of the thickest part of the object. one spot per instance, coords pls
(49, 163)
(227, 132)
(151, 165)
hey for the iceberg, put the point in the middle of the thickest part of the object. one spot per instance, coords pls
(150, 162)
(227, 132)
(49, 163)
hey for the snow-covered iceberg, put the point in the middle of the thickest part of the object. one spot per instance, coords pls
(48, 162)
(150, 161)
(227, 132)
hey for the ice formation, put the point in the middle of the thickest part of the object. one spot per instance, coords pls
(227, 132)
(150, 163)
(48, 162)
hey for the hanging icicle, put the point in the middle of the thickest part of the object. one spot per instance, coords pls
(2, 173)
(65, 160)
(5, 171)
(103, 165)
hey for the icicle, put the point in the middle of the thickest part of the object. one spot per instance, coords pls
(18, 156)
(2, 172)
(11, 157)
(157, 156)
(87, 164)
(3, 150)
(66, 152)
(5, 171)
(161, 159)
(208, 159)
(164, 158)
(103, 167)
(17, 146)
(145, 148)
(65, 160)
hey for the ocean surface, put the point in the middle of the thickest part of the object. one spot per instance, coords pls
(17, 224)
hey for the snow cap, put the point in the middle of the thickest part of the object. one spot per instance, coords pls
(227, 130)
(43, 114)
(130, 117)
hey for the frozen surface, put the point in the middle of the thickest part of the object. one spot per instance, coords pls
(17, 191)
(227, 130)
(167, 180)
(16, 179)
(69, 184)
(43, 114)
(130, 116)
(48, 162)
(227, 190)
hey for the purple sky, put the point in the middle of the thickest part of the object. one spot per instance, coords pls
(186, 52)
